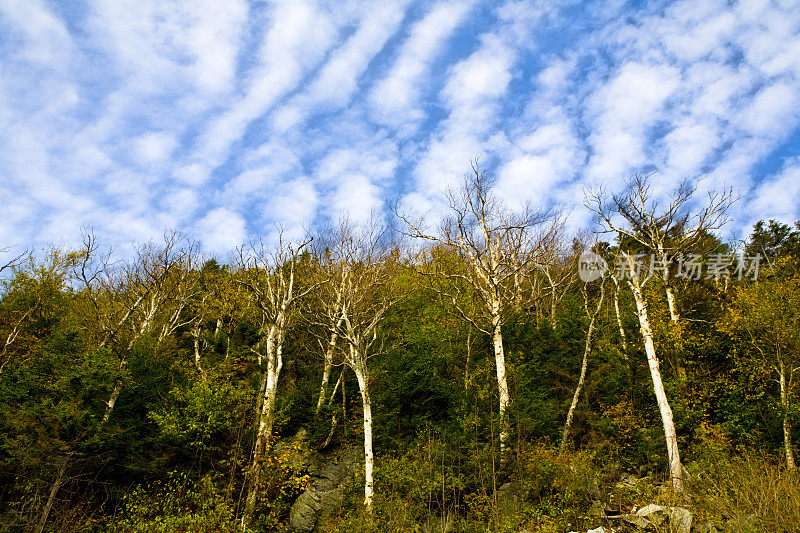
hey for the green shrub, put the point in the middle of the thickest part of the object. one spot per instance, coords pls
(176, 505)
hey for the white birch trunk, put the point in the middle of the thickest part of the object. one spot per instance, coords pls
(584, 365)
(368, 458)
(787, 425)
(326, 371)
(502, 382)
(197, 361)
(112, 401)
(619, 321)
(265, 415)
(675, 467)
(674, 316)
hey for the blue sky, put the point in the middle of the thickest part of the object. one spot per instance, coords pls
(224, 119)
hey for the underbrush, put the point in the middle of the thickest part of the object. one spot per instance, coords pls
(433, 489)
(749, 493)
(178, 504)
(545, 492)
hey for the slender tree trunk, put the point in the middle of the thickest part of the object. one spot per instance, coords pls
(469, 357)
(112, 401)
(265, 416)
(584, 365)
(334, 417)
(502, 382)
(197, 362)
(53, 491)
(619, 320)
(787, 425)
(624, 340)
(344, 407)
(368, 458)
(674, 316)
(675, 467)
(326, 371)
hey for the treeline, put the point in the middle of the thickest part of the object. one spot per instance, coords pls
(147, 391)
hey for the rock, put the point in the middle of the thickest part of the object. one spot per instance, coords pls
(510, 497)
(593, 490)
(331, 473)
(627, 481)
(655, 514)
(637, 521)
(600, 529)
(680, 520)
(303, 514)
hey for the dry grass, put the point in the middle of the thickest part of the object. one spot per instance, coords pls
(751, 493)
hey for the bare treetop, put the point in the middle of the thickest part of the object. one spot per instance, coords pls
(675, 224)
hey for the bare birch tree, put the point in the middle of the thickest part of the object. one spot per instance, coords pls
(640, 223)
(496, 244)
(667, 229)
(767, 314)
(354, 301)
(270, 278)
(151, 297)
(592, 315)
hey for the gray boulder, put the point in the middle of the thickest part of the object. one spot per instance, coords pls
(678, 518)
(331, 474)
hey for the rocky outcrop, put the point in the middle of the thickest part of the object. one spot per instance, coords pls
(331, 474)
(656, 516)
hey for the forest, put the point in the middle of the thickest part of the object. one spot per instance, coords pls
(479, 369)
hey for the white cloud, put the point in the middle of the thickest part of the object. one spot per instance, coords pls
(221, 230)
(773, 112)
(155, 43)
(689, 146)
(539, 162)
(294, 203)
(47, 40)
(299, 35)
(778, 196)
(354, 179)
(133, 115)
(337, 80)
(483, 75)
(473, 110)
(395, 99)
(623, 110)
(154, 147)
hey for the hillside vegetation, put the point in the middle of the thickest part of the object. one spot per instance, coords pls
(461, 376)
